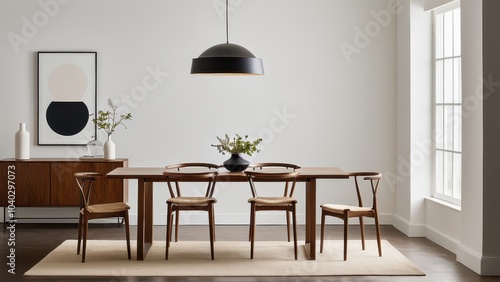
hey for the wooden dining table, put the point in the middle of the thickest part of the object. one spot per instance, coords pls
(146, 176)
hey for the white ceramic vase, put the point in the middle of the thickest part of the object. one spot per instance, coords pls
(109, 149)
(22, 143)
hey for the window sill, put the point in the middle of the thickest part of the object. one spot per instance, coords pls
(444, 203)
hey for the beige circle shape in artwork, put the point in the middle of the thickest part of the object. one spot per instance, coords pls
(67, 82)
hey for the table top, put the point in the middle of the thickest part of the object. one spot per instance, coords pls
(156, 173)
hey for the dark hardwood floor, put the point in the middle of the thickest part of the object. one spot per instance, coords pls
(35, 241)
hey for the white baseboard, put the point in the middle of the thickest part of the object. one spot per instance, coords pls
(469, 258)
(408, 228)
(443, 240)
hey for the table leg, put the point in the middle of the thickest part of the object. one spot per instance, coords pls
(148, 212)
(311, 219)
(144, 218)
(140, 219)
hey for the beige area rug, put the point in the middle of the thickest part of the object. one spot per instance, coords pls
(232, 258)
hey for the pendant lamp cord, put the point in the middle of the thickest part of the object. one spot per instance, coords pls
(227, 23)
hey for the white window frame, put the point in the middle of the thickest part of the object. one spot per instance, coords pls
(443, 136)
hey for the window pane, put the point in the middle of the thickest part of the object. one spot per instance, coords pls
(439, 172)
(439, 127)
(457, 129)
(456, 32)
(457, 176)
(438, 35)
(448, 81)
(448, 105)
(448, 34)
(439, 81)
(448, 127)
(448, 173)
(457, 81)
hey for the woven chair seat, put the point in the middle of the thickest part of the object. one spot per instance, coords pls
(341, 208)
(263, 201)
(108, 208)
(192, 201)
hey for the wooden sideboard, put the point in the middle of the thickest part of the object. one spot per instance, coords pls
(50, 182)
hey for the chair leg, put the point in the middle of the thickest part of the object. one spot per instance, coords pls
(294, 230)
(362, 227)
(169, 229)
(252, 228)
(211, 225)
(322, 230)
(288, 224)
(176, 225)
(80, 222)
(213, 220)
(377, 228)
(172, 218)
(85, 232)
(127, 234)
(346, 235)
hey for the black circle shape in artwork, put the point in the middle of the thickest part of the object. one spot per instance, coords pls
(67, 118)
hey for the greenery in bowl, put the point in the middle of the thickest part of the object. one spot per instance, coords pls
(108, 120)
(237, 145)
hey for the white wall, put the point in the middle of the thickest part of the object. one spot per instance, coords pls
(469, 251)
(402, 180)
(417, 213)
(443, 223)
(461, 230)
(414, 130)
(342, 108)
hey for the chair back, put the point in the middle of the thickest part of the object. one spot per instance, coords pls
(273, 172)
(85, 181)
(191, 172)
(374, 180)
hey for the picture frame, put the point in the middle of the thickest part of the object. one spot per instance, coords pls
(67, 97)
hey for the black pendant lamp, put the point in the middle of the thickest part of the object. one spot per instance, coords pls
(227, 59)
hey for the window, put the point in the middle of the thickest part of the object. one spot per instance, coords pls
(447, 104)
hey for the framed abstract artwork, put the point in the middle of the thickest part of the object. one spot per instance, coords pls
(67, 95)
